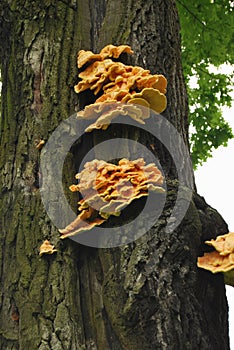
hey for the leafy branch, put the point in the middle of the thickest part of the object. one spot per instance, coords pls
(202, 46)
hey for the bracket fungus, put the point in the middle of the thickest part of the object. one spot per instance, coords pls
(46, 248)
(39, 144)
(222, 259)
(105, 112)
(116, 82)
(108, 51)
(107, 188)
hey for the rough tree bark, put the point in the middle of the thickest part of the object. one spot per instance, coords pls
(148, 294)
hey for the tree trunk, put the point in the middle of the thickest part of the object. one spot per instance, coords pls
(147, 294)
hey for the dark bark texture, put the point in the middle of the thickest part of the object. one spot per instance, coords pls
(148, 294)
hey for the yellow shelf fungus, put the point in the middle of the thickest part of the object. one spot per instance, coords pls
(117, 82)
(108, 188)
(222, 259)
(46, 248)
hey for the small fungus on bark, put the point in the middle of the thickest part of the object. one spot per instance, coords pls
(222, 259)
(115, 82)
(108, 188)
(39, 144)
(46, 248)
(15, 313)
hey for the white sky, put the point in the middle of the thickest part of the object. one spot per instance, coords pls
(215, 182)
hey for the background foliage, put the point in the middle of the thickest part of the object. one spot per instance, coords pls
(207, 30)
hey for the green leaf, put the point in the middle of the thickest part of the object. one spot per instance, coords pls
(207, 33)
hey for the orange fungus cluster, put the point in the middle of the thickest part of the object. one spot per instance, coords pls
(108, 188)
(115, 82)
(222, 259)
(46, 248)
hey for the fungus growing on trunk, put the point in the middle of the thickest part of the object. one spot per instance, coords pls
(39, 144)
(46, 248)
(156, 100)
(105, 112)
(116, 82)
(85, 57)
(222, 259)
(108, 188)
